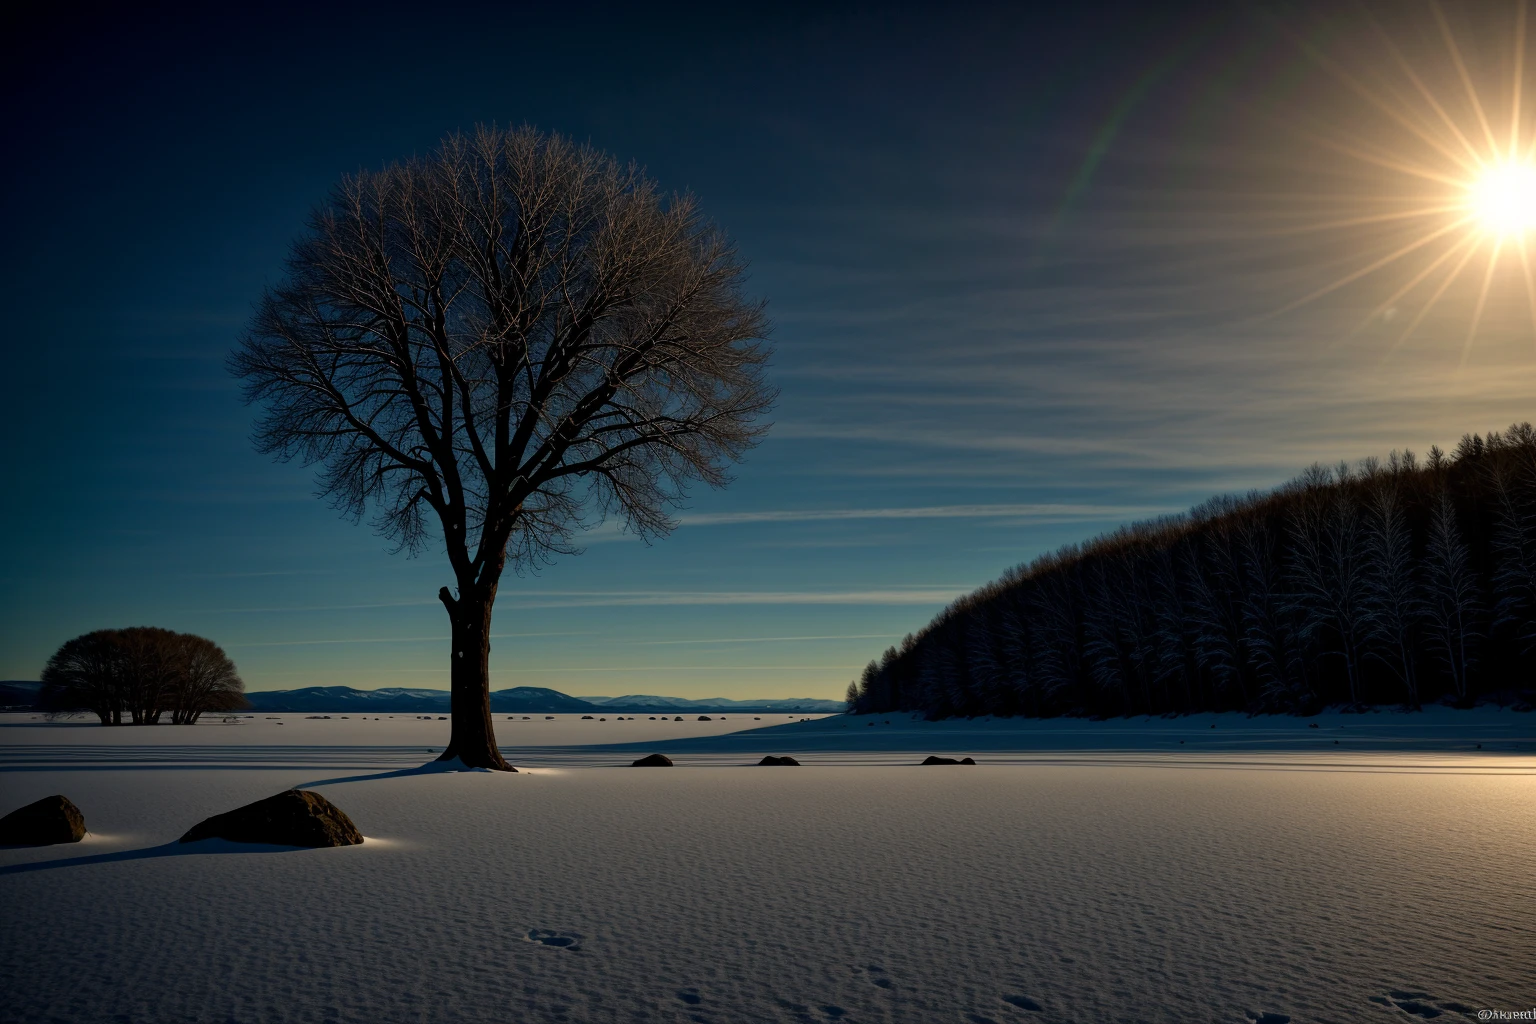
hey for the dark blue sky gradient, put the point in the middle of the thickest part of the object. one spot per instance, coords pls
(1016, 259)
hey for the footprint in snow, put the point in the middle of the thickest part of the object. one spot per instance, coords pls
(1421, 1004)
(559, 940)
(877, 975)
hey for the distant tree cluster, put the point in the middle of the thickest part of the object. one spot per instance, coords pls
(1390, 582)
(139, 675)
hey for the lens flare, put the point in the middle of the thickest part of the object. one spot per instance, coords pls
(1458, 183)
(1504, 198)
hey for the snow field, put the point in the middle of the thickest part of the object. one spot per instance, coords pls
(728, 894)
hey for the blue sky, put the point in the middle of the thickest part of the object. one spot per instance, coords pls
(1024, 268)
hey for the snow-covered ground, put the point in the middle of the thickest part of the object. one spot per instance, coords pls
(1085, 871)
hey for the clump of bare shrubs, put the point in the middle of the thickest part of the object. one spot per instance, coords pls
(140, 674)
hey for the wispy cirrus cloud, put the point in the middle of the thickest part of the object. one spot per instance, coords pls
(388, 640)
(989, 511)
(607, 642)
(894, 595)
(897, 594)
(769, 639)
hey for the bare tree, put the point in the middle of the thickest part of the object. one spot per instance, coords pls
(149, 658)
(1452, 610)
(1214, 617)
(506, 341)
(203, 679)
(142, 672)
(1018, 653)
(1328, 573)
(1514, 550)
(86, 673)
(1055, 612)
(1391, 583)
(1267, 630)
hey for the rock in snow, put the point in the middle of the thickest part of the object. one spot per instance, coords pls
(653, 761)
(935, 759)
(771, 760)
(295, 818)
(53, 819)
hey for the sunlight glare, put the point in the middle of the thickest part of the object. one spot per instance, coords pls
(1504, 198)
(1460, 180)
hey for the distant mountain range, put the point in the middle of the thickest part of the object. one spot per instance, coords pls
(395, 699)
(17, 694)
(21, 695)
(646, 702)
(525, 699)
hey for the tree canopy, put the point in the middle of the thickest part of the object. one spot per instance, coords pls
(496, 345)
(141, 672)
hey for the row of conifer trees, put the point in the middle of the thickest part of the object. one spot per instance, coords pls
(1396, 582)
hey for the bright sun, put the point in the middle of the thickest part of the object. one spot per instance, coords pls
(1472, 207)
(1504, 198)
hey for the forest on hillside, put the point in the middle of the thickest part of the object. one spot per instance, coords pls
(1389, 582)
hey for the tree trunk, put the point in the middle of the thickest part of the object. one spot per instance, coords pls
(473, 737)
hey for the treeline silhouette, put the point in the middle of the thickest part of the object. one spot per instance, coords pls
(140, 674)
(1395, 582)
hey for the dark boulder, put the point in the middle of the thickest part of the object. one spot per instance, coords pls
(653, 761)
(771, 760)
(705, 718)
(935, 759)
(295, 818)
(53, 819)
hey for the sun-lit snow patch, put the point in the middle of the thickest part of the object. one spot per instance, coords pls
(451, 765)
(899, 894)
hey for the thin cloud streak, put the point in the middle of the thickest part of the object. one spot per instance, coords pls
(919, 594)
(1012, 512)
(894, 596)
(770, 639)
(532, 670)
(388, 640)
(274, 572)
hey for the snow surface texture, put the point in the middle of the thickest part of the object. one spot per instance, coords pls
(1371, 886)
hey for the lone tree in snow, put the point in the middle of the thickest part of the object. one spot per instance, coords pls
(499, 344)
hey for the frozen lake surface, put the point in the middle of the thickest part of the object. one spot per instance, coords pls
(1083, 872)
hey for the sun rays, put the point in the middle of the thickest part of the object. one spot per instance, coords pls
(1454, 167)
